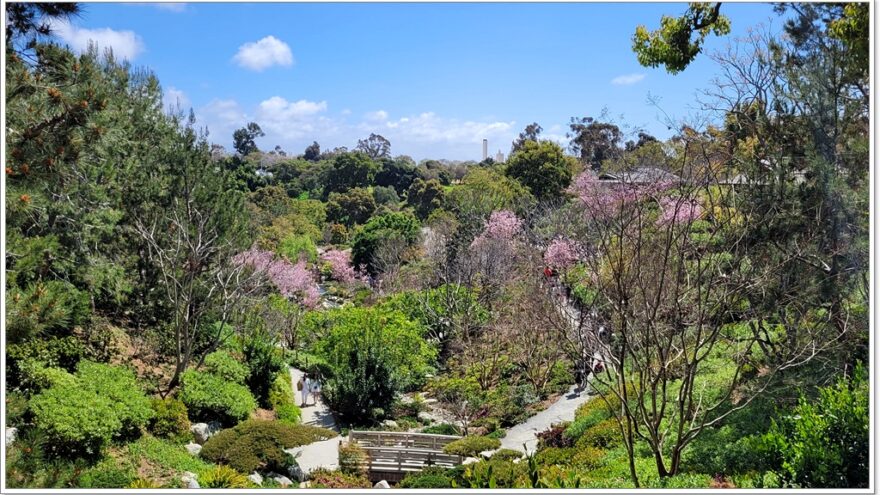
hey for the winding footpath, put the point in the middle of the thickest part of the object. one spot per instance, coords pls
(523, 437)
(319, 454)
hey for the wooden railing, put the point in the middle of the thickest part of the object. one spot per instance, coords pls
(401, 452)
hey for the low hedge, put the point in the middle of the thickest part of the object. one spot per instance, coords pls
(323, 478)
(259, 444)
(471, 446)
(432, 477)
(210, 397)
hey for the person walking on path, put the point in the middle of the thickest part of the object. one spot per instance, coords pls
(304, 386)
(316, 389)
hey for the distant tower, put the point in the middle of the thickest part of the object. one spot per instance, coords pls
(485, 149)
(499, 157)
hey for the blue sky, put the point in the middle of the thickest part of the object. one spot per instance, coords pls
(434, 78)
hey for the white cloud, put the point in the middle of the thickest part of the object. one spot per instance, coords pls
(222, 118)
(627, 79)
(172, 97)
(293, 119)
(377, 116)
(125, 44)
(263, 54)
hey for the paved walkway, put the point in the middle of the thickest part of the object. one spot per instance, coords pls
(319, 454)
(561, 410)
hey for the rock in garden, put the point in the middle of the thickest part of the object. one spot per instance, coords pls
(281, 480)
(295, 472)
(203, 431)
(11, 435)
(470, 460)
(256, 478)
(189, 480)
(382, 484)
(193, 448)
(389, 423)
(425, 417)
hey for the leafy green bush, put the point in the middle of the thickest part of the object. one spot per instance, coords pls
(54, 352)
(442, 429)
(35, 376)
(471, 446)
(589, 414)
(374, 354)
(603, 434)
(353, 459)
(260, 444)
(323, 478)
(298, 247)
(107, 474)
(222, 364)
(16, 409)
(83, 414)
(209, 397)
(824, 443)
(289, 413)
(281, 390)
(170, 418)
(492, 474)
(166, 457)
(397, 226)
(223, 477)
(587, 458)
(432, 477)
(264, 359)
(507, 455)
(555, 456)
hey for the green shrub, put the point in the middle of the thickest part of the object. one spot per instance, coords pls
(289, 413)
(432, 477)
(471, 446)
(499, 434)
(260, 444)
(824, 443)
(107, 474)
(374, 354)
(555, 456)
(170, 418)
(506, 455)
(602, 435)
(589, 414)
(442, 429)
(298, 247)
(167, 458)
(353, 459)
(83, 414)
(322, 478)
(264, 359)
(281, 390)
(54, 352)
(223, 477)
(208, 396)
(492, 474)
(587, 458)
(222, 364)
(43, 308)
(35, 376)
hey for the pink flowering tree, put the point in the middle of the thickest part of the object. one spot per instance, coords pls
(605, 200)
(339, 264)
(679, 210)
(502, 225)
(293, 281)
(561, 254)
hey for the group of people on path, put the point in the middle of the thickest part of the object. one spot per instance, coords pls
(308, 385)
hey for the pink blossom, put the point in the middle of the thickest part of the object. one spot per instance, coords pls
(561, 254)
(678, 210)
(502, 225)
(604, 200)
(340, 266)
(291, 280)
